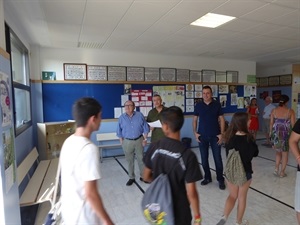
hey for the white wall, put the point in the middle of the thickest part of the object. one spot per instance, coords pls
(50, 59)
(273, 71)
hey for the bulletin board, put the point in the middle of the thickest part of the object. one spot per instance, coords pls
(58, 98)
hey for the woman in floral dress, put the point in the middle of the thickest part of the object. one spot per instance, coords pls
(281, 122)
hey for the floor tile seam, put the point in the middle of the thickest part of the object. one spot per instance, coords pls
(262, 193)
(125, 170)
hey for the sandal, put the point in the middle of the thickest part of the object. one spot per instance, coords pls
(282, 175)
(275, 172)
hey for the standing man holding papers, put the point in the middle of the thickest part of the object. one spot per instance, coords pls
(154, 115)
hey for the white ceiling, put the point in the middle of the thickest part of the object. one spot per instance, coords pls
(265, 31)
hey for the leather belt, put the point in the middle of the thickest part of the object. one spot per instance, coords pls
(134, 139)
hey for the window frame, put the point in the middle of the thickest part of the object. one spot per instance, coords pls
(25, 87)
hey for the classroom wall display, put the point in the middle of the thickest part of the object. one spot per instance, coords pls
(48, 75)
(151, 74)
(276, 96)
(195, 76)
(285, 79)
(273, 81)
(75, 71)
(221, 77)
(279, 80)
(96, 72)
(116, 73)
(135, 73)
(232, 76)
(167, 74)
(182, 75)
(209, 76)
(172, 95)
(58, 98)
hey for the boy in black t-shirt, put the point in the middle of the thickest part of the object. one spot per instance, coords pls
(169, 154)
(293, 143)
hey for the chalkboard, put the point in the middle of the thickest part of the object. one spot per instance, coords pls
(58, 98)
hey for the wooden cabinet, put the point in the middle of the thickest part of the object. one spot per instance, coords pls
(51, 137)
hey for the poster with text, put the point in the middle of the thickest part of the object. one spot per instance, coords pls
(171, 95)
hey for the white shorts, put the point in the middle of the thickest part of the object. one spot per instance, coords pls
(297, 192)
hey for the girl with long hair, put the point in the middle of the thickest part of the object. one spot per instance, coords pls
(238, 138)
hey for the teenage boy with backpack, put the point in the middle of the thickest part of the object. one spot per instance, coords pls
(170, 156)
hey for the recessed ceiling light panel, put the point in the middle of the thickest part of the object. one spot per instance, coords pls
(212, 20)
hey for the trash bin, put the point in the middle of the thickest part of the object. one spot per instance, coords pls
(187, 141)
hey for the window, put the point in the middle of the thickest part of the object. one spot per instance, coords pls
(20, 79)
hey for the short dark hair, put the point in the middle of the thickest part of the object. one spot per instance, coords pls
(283, 99)
(84, 108)
(173, 117)
(207, 87)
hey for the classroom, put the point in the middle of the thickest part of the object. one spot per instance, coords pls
(54, 52)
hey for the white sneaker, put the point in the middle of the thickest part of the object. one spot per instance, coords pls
(244, 222)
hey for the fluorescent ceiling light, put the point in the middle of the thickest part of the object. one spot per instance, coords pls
(212, 20)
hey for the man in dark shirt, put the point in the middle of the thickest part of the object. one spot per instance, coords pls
(211, 126)
(169, 156)
(293, 143)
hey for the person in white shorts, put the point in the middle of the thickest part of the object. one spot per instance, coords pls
(293, 142)
(80, 169)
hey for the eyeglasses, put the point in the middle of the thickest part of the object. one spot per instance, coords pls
(128, 105)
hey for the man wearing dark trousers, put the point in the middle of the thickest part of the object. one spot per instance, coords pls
(209, 117)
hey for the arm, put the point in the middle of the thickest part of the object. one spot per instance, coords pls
(293, 143)
(222, 127)
(193, 197)
(271, 121)
(293, 119)
(146, 130)
(94, 199)
(195, 120)
(248, 109)
(119, 131)
(147, 175)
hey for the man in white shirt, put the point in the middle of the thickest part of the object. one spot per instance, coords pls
(266, 120)
(80, 169)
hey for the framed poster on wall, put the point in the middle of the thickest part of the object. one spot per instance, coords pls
(209, 76)
(263, 82)
(273, 81)
(232, 76)
(285, 79)
(97, 72)
(75, 71)
(167, 74)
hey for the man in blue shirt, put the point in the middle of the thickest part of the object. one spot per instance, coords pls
(211, 126)
(133, 131)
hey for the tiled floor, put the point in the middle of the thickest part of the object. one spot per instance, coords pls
(270, 198)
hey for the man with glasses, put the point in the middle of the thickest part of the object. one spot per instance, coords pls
(133, 131)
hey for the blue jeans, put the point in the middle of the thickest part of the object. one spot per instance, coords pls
(205, 141)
